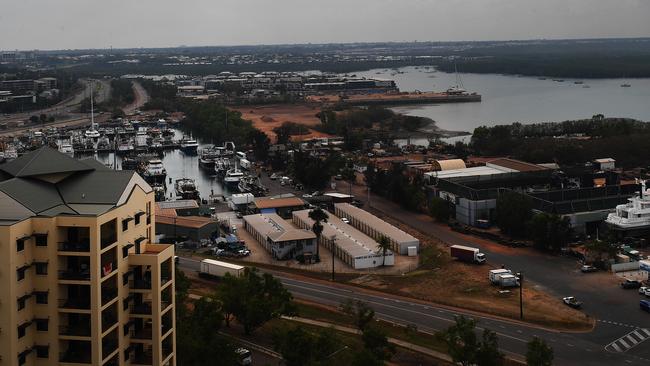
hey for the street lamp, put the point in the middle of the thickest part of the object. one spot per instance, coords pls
(520, 275)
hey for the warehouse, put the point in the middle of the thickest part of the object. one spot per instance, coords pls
(282, 205)
(353, 247)
(375, 227)
(279, 237)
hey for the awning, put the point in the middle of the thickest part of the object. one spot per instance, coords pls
(139, 213)
(25, 237)
(128, 246)
(127, 219)
(24, 297)
(139, 240)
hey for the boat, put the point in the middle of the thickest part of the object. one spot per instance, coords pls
(232, 178)
(11, 153)
(103, 144)
(160, 192)
(65, 147)
(186, 188)
(141, 140)
(92, 133)
(635, 214)
(252, 184)
(221, 166)
(586, 86)
(124, 147)
(155, 172)
(189, 146)
(626, 85)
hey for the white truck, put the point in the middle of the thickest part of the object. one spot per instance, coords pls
(503, 277)
(214, 268)
(467, 254)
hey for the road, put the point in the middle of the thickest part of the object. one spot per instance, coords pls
(141, 98)
(570, 348)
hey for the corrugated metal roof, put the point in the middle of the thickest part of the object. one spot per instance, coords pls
(178, 204)
(34, 194)
(194, 222)
(42, 162)
(262, 203)
(277, 228)
(376, 223)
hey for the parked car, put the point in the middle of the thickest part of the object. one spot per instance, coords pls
(345, 220)
(645, 305)
(338, 177)
(588, 269)
(642, 290)
(631, 284)
(646, 291)
(572, 302)
(244, 356)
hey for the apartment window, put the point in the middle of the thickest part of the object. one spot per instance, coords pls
(41, 240)
(125, 278)
(41, 297)
(137, 218)
(42, 325)
(20, 244)
(125, 224)
(22, 329)
(42, 351)
(22, 302)
(22, 358)
(20, 272)
(41, 268)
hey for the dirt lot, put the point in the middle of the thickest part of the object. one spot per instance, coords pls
(267, 117)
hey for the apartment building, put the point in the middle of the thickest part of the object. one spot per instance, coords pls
(82, 282)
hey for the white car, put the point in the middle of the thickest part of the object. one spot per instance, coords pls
(345, 219)
(644, 290)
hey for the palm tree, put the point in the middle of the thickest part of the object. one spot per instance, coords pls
(383, 244)
(318, 215)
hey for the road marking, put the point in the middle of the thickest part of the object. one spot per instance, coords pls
(628, 341)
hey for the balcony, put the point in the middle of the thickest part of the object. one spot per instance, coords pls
(77, 352)
(76, 329)
(77, 239)
(82, 246)
(75, 303)
(108, 234)
(108, 347)
(75, 275)
(140, 284)
(108, 295)
(142, 358)
(145, 334)
(108, 320)
(141, 309)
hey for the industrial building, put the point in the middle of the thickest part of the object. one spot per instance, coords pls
(282, 205)
(279, 237)
(82, 282)
(375, 227)
(353, 247)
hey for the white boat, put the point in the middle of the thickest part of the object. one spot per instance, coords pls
(189, 146)
(92, 133)
(232, 178)
(186, 189)
(155, 172)
(65, 147)
(633, 215)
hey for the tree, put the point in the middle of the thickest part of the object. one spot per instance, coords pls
(513, 212)
(260, 143)
(33, 119)
(375, 341)
(301, 347)
(198, 339)
(319, 216)
(539, 353)
(384, 245)
(488, 353)
(359, 311)
(461, 341)
(549, 231)
(349, 176)
(439, 209)
(366, 358)
(253, 299)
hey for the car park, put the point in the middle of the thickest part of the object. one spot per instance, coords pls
(630, 284)
(572, 302)
(588, 269)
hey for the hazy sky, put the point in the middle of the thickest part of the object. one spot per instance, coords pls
(58, 24)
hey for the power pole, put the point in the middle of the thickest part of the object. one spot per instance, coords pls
(333, 251)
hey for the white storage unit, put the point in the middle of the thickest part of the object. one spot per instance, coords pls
(352, 246)
(375, 227)
(279, 237)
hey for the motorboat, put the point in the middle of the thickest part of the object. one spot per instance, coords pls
(155, 172)
(186, 188)
(635, 214)
(208, 157)
(189, 146)
(65, 147)
(232, 178)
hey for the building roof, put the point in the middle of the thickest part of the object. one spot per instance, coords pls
(517, 165)
(46, 182)
(376, 223)
(178, 204)
(193, 222)
(449, 164)
(276, 228)
(265, 202)
(43, 161)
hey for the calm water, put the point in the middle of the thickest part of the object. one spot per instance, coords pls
(508, 99)
(180, 165)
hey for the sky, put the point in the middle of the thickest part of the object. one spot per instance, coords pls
(74, 24)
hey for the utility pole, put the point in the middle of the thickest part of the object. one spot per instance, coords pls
(521, 296)
(333, 251)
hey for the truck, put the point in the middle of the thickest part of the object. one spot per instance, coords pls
(214, 268)
(503, 277)
(467, 254)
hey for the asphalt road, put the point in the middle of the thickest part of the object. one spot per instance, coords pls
(570, 348)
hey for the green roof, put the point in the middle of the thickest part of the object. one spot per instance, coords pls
(43, 161)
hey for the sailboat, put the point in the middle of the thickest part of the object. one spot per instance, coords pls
(92, 133)
(457, 89)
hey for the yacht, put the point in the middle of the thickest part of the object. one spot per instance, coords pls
(141, 140)
(11, 153)
(221, 166)
(186, 188)
(208, 156)
(92, 133)
(124, 147)
(189, 146)
(633, 215)
(159, 191)
(155, 172)
(65, 147)
(232, 178)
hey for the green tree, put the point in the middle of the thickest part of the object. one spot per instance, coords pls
(461, 341)
(359, 311)
(439, 209)
(539, 353)
(549, 232)
(376, 341)
(260, 143)
(488, 353)
(319, 216)
(349, 175)
(253, 299)
(365, 357)
(300, 347)
(513, 212)
(384, 245)
(198, 340)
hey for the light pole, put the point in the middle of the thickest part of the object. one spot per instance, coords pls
(333, 251)
(521, 296)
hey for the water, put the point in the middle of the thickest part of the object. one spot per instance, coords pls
(508, 99)
(180, 165)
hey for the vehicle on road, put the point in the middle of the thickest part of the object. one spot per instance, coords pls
(214, 268)
(467, 254)
(244, 356)
(645, 305)
(644, 290)
(630, 284)
(588, 269)
(345, 220)
(572, 302)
